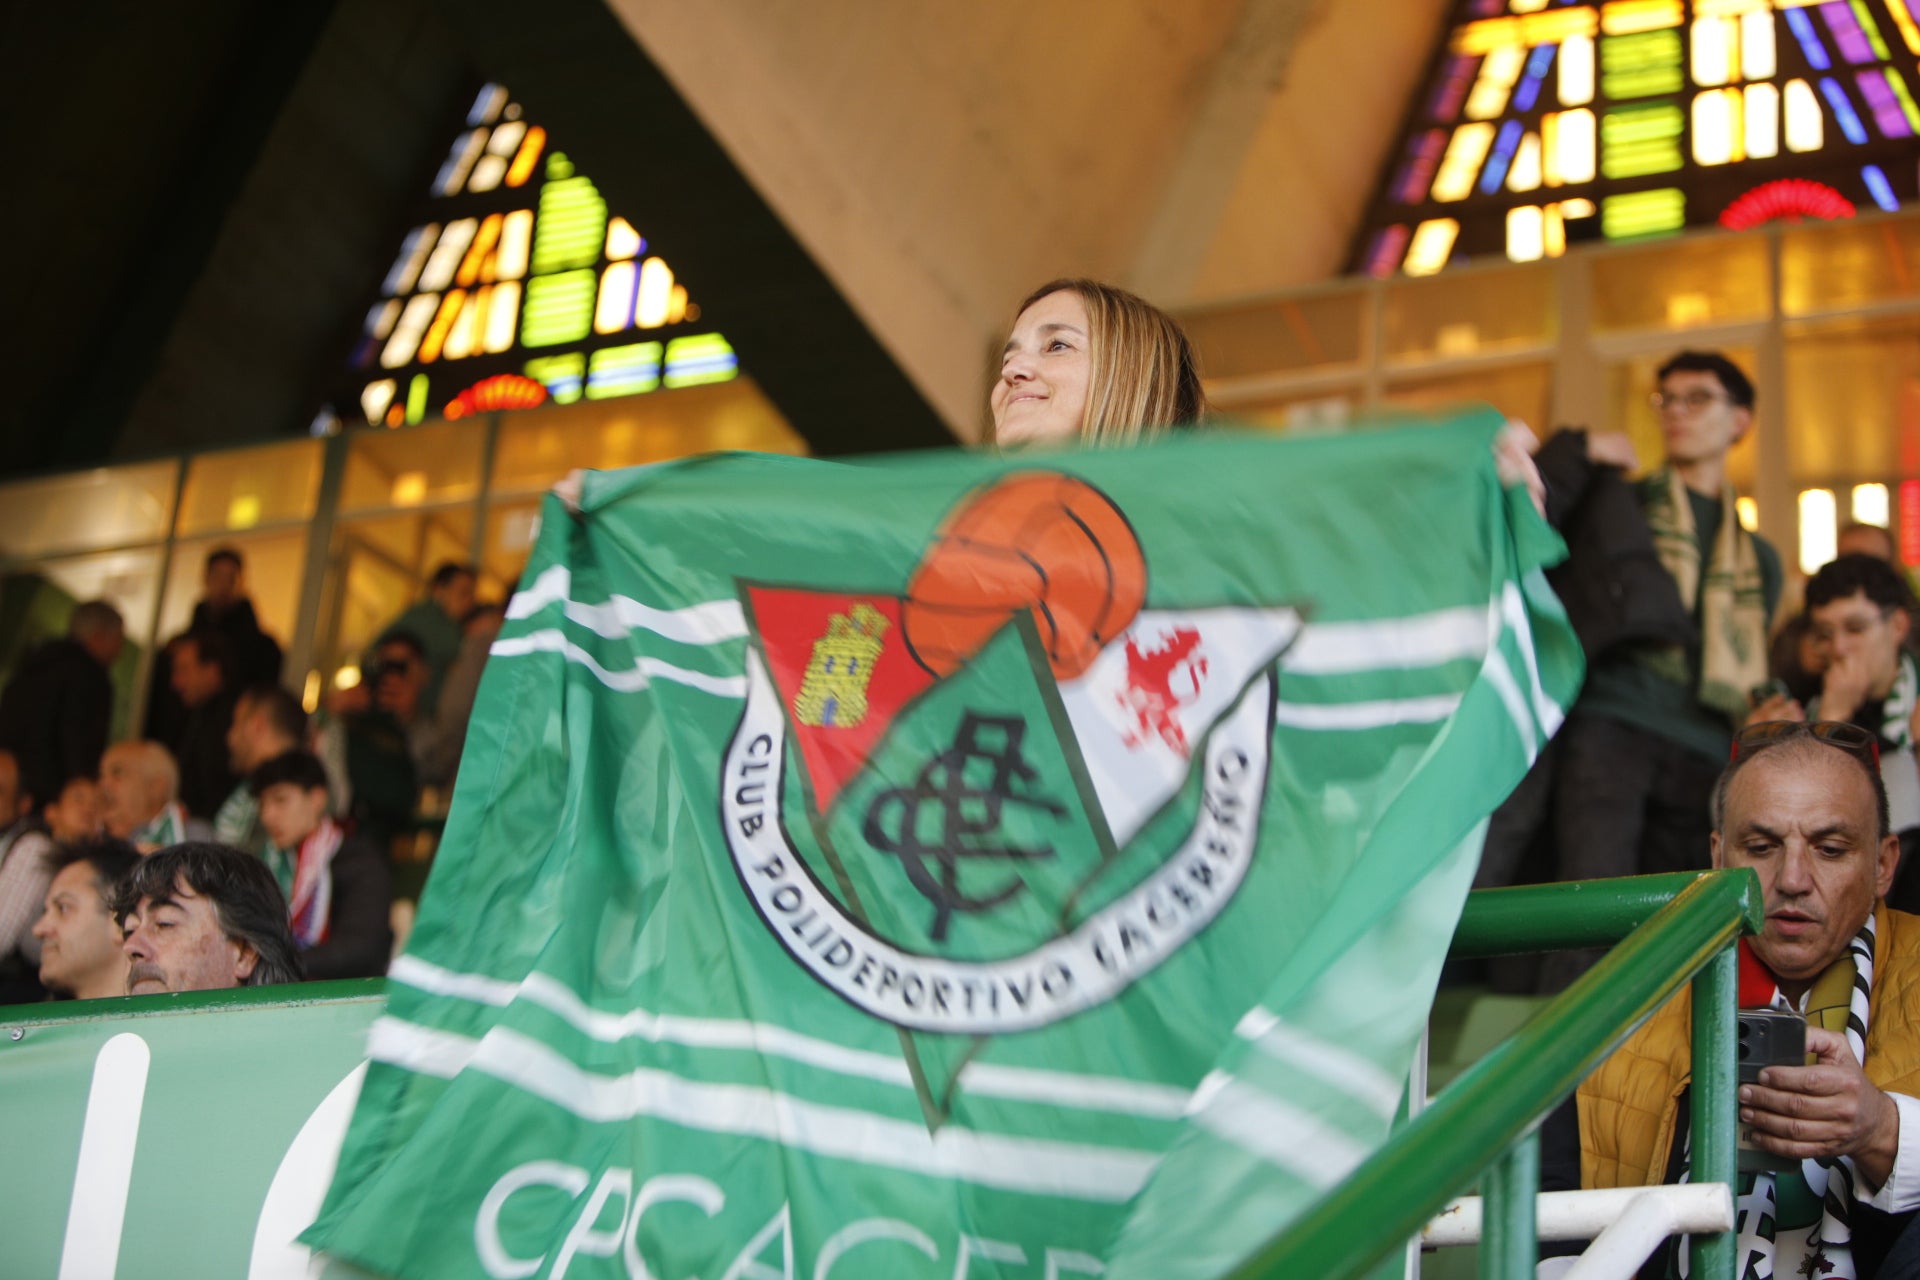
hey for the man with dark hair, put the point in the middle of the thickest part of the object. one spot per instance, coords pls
(202, 675)
(1859, 615)
(339, 889)
(55, 712)
(435, 623)
(1671, 598)
(225, 608)
(203, 917)
(75, 814)
(1803, 807)
(23, 885)
(267, 722)
(80, 942)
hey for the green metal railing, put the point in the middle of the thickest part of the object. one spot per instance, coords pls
(1670, 930)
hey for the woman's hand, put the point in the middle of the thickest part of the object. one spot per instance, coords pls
(567, 489)
(1513, 451)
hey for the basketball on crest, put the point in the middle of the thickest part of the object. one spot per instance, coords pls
(1038, 541)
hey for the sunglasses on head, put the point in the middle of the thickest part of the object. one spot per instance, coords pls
(1850, 738)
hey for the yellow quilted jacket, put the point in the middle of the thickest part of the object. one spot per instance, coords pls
(1629, 1104)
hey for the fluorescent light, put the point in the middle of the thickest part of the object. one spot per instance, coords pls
(1819, 536)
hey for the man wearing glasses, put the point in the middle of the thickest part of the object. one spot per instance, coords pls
(1671, 598)
(1801, 805)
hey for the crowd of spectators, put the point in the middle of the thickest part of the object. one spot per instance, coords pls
(1691, 633)
(236, 840)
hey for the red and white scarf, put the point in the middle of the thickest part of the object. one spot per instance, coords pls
(312, 902)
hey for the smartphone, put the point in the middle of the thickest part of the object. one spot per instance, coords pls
(1768, 1038)
(1774, 688)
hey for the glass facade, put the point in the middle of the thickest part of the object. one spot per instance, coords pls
(1825, 317)
(517, 287)
(338, 535)
(1544, 124)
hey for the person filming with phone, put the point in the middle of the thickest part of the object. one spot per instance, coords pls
(1801, 804)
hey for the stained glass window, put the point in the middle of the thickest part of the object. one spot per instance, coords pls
(518, 287)
(1546, 122)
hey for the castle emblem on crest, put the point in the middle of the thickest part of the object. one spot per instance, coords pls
(833, 693)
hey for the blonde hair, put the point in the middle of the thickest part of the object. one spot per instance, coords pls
(1144, 378)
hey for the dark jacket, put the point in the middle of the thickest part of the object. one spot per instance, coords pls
(359, 927)
(1612, 583)
(256, 655)
(54, 716)
(206, 776)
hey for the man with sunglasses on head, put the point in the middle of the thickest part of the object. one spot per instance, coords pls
(1859, 616)
(1671, 598)
(1802, 805)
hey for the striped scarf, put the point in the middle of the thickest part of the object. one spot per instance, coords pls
(1729, 596)
(1837, 1002)
(167, 827)
(310, 905)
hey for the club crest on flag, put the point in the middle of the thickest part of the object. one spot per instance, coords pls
(999, 793)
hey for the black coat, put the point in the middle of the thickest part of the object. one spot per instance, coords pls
(54, 716)
(359, 925)
(206, 775)
(1612, 583)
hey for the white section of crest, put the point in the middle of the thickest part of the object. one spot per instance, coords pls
(627, 680)
(1422, 640)
(1134, 769)
(1336, 1065)
(1021, 1084)
(1277, 1131)
(710, 622)
(1073, 1170)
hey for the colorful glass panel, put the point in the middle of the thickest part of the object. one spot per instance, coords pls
(518, 286)
(1657, 115)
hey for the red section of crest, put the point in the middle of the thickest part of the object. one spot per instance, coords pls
(824, 669)
(1785, 199)
(1160, 681)
(502, 391)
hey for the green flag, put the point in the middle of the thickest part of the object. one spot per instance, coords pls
(953, 865)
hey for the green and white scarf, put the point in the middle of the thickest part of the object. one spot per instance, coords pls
(167, 827)
(1730, 595)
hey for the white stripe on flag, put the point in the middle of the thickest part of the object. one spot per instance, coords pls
(1366, 715)
(1078, 1171)
(420, 1049)
(1423, 640)
(710, 622)
(424, 975)
(1276, 1131)
(1021, 1084)
(1333, 1064)
(1513, 607)
(1500, 676)
(630, 680)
